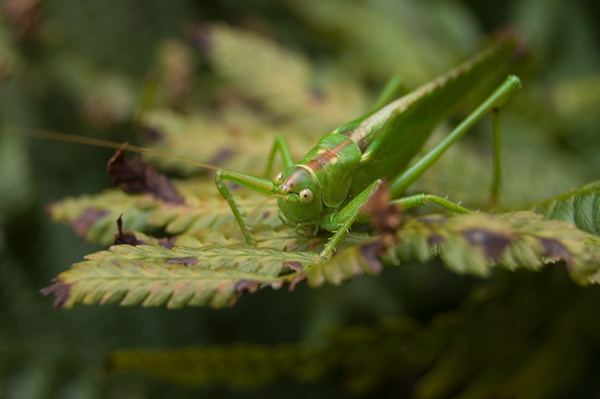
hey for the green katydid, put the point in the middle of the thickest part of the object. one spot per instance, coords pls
(328, 187)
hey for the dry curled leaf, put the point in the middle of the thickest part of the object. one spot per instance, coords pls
(135, 177)
(127, 238)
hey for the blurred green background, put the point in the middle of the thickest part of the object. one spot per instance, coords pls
(80, 67)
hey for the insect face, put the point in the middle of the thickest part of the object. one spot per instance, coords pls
(301, 185)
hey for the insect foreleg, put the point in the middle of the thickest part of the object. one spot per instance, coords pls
(251, 182)
(422, 199)
(401, 182)
(281, 145)
(346, 217)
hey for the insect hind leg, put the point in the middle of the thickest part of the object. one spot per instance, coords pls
(401, 182)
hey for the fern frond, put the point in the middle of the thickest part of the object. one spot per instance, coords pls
(475, 243)
(153, 276)
(239, 365)
(279, 78)
(93, 216)
(396, 347)
(396, 47)
(580, 207)
(235, 138)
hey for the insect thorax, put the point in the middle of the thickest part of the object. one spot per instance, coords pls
(332, 162)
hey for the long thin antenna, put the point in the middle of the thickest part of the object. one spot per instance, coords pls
(44, 134)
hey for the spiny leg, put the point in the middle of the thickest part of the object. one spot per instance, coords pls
(286, 155)
(346, 217)
(401, 182)
(422, 199)
(251, 182)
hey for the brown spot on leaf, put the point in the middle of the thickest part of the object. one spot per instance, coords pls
(167, 242)
(385, 217)
(370, 254)
(62, 291)
(243, 286)
(556, 249)
(193, 261)
(86, 220)
(127, 238)
(135, 177)
(435, 239)
(296, 280)
(295, 266)
(492, 244)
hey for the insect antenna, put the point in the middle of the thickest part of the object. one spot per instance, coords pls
(44, 134)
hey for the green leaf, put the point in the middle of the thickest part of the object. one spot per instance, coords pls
(245, 365)
(389, 352)
(475, 243)
(350, 263)
(288, 88)
(153, 276)
(399, 47)
(580, 207)
(239, 365)
(93, 216)
(215, 274)
(236, 138)
(472, 244)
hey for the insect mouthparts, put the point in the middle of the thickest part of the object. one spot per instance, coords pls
(292, 197)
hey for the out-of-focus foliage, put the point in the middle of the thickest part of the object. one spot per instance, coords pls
(524, 352)
(216, 82)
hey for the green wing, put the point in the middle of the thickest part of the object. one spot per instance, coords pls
(392, 136)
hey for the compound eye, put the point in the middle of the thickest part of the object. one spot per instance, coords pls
(306, 196)
(278, 180)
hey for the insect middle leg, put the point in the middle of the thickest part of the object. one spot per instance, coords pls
(286, 155)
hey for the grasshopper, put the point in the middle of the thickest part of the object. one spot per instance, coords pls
(327, 188)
